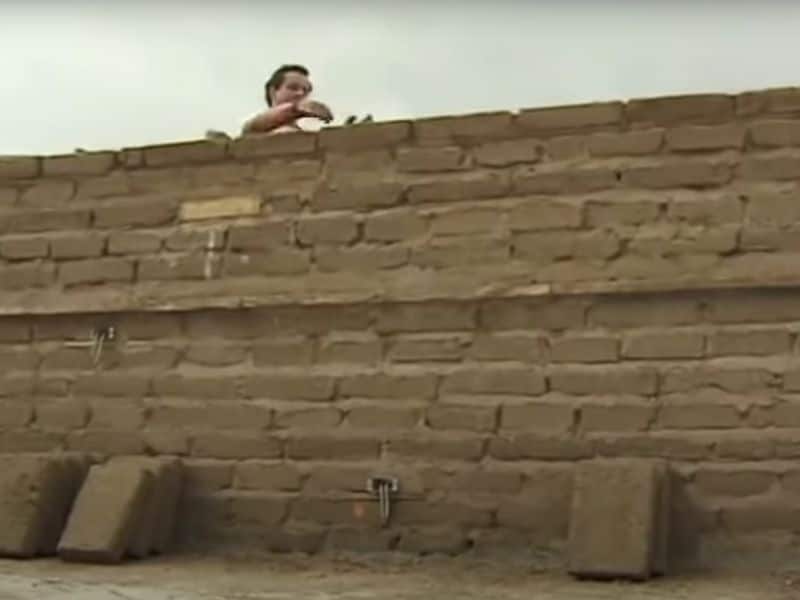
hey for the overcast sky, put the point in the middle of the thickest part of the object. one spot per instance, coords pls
(109, 74)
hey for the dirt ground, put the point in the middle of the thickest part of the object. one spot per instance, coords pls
(294, 578)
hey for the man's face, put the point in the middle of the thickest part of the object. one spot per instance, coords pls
(295, 86)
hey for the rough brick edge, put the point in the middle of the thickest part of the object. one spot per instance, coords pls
(549, 121)
(151, 297)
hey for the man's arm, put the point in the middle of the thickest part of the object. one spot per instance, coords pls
(283, 114)
(272, 118)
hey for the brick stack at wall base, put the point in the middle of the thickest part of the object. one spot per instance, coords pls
(481, 409)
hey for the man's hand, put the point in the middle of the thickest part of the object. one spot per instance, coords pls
(313, 108)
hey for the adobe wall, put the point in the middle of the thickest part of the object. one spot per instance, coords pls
(472, 304)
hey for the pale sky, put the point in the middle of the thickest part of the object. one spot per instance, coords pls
(110, 74)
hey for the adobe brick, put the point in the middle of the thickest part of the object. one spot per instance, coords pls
(549, 314)
(278, 261)
(361, 257)
(15, 413)
(116, 183)
(192, 238)
(27, 275)
(430, 160)
(326, 447)
(363, 196)
(693, 108)
(430, 316)
(706, 137)
(330, 511)
(566, 147)
(760, 516)
(18, 358)
(565, 181)
(235, 446)
(14, 167)
(23, 248)
(216, 355)
(350, 350)
(584, 349)
(106, 442)
(123, 414)
(231, 207)
(616, 415)
(552, 245)
(513, 347)
(645, 310)
(654, 445)
(388, 385)
(63, 414)
(263, 475)
(743, 445)
(774, 208)
(67, 359)
(133, 242)
(507, 153)
(166, 441)
(438, 447)
(257, 509)
(539, 446)
(693, 413)
(308, 320)
(495, 380)
(201, 416)
(769, 238)
(485, 481)
(760, 306)
(363, 136)
(258, 146)
(296, 351)
(308, 417)
(120, 491)
(153, 357)
(16, 385)
(589, 380)
(772, 168)
(632, 143)
(90, 163)
(207, 475)
(683, 174)
(340, 229)
(777, 133)
(706, 209)
(149, 326)
(442, 540)
(557, 417)
(579, 116)
(27, 440)
(47, 194)
(394, 226)
(426, 348)
(289, 387)
(102, 270)
(44, 220)
(761, 342)
(77, 246)
(194, 386)
(466, 127)
(383, 418)
(539, 214)
(430, 513)
(469, 186)
(185, 152)
(733, 481)
(342, 166)
(276, 174)
(663, 344)
(461, 418)
(442, 253)
(730, 378)
(461, 221)
(136, 213)
(168, 268)
(336, 478)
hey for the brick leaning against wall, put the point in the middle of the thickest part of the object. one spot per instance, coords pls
(470, 303)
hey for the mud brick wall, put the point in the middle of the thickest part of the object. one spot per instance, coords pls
(471, 304)
(481, 408)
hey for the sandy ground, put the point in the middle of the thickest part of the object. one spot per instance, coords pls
(285, 578)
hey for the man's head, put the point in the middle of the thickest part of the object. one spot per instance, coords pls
(288, 83)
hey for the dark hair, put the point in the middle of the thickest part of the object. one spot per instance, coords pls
(276, 79)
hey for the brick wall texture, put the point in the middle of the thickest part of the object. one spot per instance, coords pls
(471, 304)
